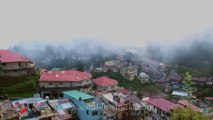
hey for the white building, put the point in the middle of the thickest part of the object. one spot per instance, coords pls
(143, 77)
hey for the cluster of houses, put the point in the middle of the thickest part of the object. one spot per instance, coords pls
(129, 71)
(75, 95)
(154, 68)
(149, 69)
(120, 104)
(174, 82)
(72, 94)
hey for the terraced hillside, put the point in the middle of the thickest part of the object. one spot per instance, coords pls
(18, 87)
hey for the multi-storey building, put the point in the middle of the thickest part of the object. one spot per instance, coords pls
(13, 64)
(129, 72)
(53, 83)
(88, 107)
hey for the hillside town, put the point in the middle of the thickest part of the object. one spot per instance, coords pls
(104, 92)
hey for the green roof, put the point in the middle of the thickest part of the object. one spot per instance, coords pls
(57, 69)
(76, 94)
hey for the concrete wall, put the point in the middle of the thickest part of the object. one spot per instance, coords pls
(64, 84)
(129, 73)
(14, 73)
(144, 79)
(82, 109)
(108, 88)
(109, 63)
(157, 111)
(17, 65)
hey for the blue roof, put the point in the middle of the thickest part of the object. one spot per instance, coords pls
(66, 105)
(77, 94)
(27, 100)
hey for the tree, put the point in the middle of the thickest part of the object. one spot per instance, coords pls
(187, 114)
(140, 94)
(80, 65)
(151, 89)
(188, 87)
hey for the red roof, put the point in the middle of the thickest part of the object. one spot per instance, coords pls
(186, 104)
(42, 70)
(104, 81)
(208, 98)
(174, 77)
(133, 99)
(123, 91)
(7, 56)
(176, 106)
(197, 79)
(162, 104)
(65, 76)
(162, 81)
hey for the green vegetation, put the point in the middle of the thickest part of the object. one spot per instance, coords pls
(136, 85)
(182, 70)
(19, 87)
(188, 86)
(140, 94)
(204, 91)
(187, 114)
(193, 72)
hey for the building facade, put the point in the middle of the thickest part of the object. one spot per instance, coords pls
(14, 65)
(143, 77)
(53, 83)
(129, 72)
(105, 84)
(88, 107)
(161, 106)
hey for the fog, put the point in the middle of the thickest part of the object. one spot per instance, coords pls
(195, 52)
(68, 55)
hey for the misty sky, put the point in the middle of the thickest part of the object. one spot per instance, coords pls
(113, 21)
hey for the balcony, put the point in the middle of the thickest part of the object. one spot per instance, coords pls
(56, 87)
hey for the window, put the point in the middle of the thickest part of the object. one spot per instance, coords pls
(87, 112)
(87, 81)
(94, 113)
(19, 64)
(4, 64)
(105, 88)
(60, 83)
(50, 83)
(113, 87)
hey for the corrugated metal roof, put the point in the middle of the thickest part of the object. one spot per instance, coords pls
(105, 81)
(64, 76)
(162, 104)
(66, 105)
(184, 94)
(76, 94)
(7, 56)
(57, 69)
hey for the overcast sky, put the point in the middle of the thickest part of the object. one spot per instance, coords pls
(114, 21)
